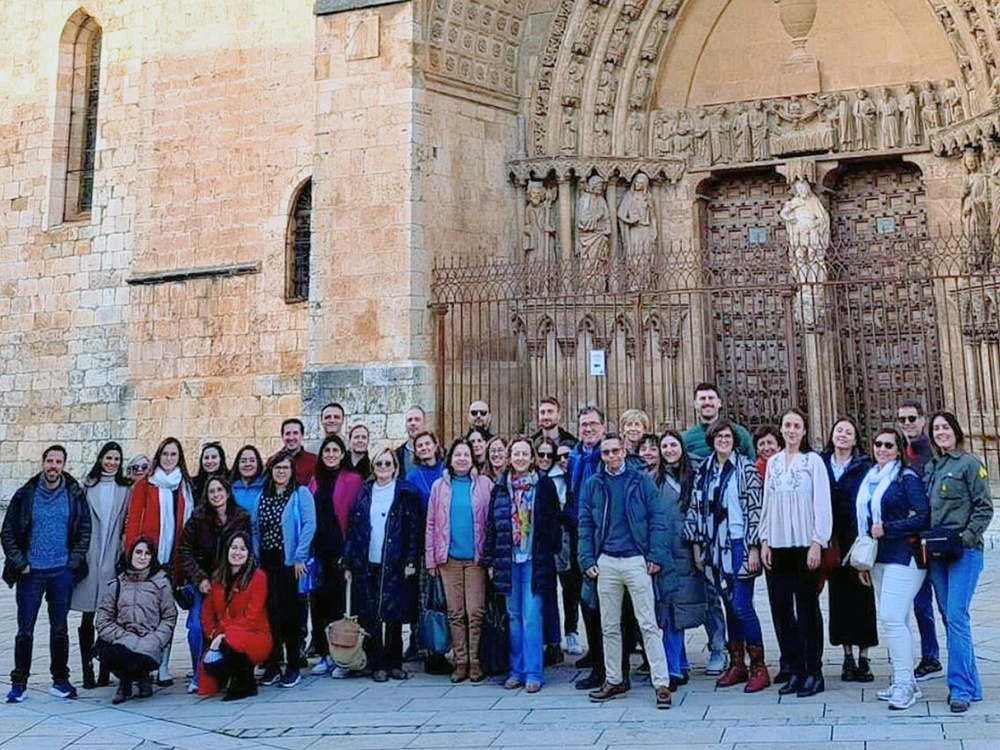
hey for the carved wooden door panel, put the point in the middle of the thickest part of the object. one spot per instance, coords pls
(755, 355)
(885, 311)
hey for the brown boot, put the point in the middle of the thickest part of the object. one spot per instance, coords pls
(737, 671)
(759, 677)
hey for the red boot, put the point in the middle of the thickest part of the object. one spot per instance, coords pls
(759, 677)
(737, 671)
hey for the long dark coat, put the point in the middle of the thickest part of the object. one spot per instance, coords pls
(392, 597)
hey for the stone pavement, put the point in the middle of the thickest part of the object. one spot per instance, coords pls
(428, 712)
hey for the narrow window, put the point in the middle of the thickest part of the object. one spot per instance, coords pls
(299, 245)
(81, 138)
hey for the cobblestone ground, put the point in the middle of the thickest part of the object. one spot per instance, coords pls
(428, 712)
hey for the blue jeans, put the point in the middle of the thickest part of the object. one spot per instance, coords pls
(56, 586)
(954, 585)
(526, 628)
(195, 636)
(923, 608)
(737, 596)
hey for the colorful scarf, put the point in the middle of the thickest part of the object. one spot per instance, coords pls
(522, 505)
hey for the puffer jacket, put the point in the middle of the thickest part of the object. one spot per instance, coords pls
(138, 612)
(437, 540)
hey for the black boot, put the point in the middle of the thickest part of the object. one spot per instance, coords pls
(86, 636)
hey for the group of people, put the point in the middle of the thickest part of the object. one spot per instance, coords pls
(644, 534)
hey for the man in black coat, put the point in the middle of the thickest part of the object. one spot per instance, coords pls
(45, 536)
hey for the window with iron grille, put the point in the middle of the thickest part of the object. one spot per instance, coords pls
(299, 245)
(82, 136)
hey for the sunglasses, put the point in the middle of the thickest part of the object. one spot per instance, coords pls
(384, 464)
(909, 419)
(883, 444)
(478, 412)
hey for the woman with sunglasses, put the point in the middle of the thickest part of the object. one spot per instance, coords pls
(107, 496)
(553, 461)
(286, 520)
(158, 508)
(961, 506)
(522, 537)
(453, 548)
(891, 506)
(381, 556)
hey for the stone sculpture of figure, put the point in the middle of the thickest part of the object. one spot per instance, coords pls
(807, 223)
(720, 135)
(952, 100)
(637, 216)
(911, 120)
(593, 225)
(634, 131)
(865, 113)
(888, 110)
(742, 148)
(760, 148)
(976, 212)
(539, 228)
(930, 118)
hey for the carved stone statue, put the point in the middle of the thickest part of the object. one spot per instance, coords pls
(976, 212)
(929, 115)
(911, 121)
(865, 113)
(593, 225)
(888, 110)
(539, 227)
(637, 216)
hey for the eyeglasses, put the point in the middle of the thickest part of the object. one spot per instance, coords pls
(384, 464)
(478, 412)
(909, 419)
(883, 444)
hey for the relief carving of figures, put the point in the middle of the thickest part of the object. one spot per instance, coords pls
(539, 226)
(911, 121)
(888, 109)
(569, 131)
(742, 146)
(584, 42)
(757, 117)
(976, 212)
(637, 216)
(929, 115)
(954, 111)
(593, 224)
(635, 127)
(720, 136)
(574, 83)
(864, 121)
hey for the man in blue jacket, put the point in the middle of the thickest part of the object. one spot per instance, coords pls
(624, 546)
(45, 536)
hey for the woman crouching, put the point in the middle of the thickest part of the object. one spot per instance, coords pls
(135, 621)
(234, 621)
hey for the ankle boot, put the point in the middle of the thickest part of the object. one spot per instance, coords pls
(737, 671)
(86, 637)
(759, 677)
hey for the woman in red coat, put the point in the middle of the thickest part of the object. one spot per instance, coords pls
(235, 624)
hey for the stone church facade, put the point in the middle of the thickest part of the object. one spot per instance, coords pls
(164, 166)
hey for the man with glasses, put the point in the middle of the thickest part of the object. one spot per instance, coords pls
(624, 546)
(45, 536)
(549, 423)
(919, 453)
(480, 418)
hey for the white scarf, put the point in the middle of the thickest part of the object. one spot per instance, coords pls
(167, 485)
(873, 487)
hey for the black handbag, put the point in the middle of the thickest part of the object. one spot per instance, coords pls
(941, 545)
(494, 641)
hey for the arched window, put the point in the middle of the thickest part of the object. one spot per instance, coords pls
(79, 83)
(299, 245)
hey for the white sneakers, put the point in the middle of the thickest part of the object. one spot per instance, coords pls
(573, 647)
